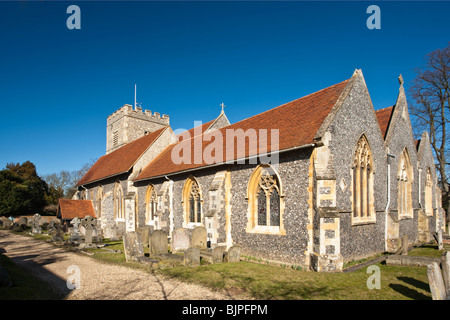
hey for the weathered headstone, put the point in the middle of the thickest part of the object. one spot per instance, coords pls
(23, 221)
(158, 242)
(75, 235)
(440, 242)
(6, 223)
(132, 245)
(217, 254)
(145, 234)
(89, 223)
(180, 240)
(192, 257)
(405, 244)
(445, 263)
(55, 229)
(199, 237)
(36, 226)
(436, 282)
(234, 254)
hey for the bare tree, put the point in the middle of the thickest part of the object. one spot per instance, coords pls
(430, 94)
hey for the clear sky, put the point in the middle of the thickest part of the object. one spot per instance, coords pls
(58, 86)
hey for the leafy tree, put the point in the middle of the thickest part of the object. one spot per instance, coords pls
(22, 191)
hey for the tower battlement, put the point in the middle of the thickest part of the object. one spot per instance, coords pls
(128, 124)
(127, 110)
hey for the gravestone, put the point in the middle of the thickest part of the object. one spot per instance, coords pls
(6, 223)
(234, 254)
(75, 235)
(192, 257)
(217, 254)
(180, 240)
(445, 263)
(55, 229)
(440, 242)
(145, 234)
(23, 222)
(132, 245)
(436, 282)
(158, 242)
(89, 223)
(36, 226)
(199, 237)
(405, 244)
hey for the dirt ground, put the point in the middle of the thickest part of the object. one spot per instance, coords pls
(98, 281)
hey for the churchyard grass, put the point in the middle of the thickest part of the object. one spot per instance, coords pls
(264, 281)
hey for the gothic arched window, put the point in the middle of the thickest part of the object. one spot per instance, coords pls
(405, 177)
(192, 199)
(265, 202)
(118, 202)
(363, 198)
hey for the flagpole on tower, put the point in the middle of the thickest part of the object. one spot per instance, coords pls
(135, 96)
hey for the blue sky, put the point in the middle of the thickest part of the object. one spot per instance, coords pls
(57, 86)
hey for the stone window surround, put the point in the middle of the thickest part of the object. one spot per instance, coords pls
(190, 181)
(368, 216)
(150, 195)
(119, 215)
(252, 198)
(405, 179)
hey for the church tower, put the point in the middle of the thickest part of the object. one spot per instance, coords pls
(128, 124)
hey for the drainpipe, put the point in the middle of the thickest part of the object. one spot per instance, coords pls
(420, 184)
(389, 156)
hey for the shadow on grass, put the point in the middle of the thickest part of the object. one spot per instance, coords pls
(408, 292)
(415, 283)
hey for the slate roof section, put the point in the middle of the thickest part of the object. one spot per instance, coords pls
(297, 123)
(69, 209)
(121, 160)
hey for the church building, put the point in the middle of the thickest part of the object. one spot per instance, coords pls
(315, 182)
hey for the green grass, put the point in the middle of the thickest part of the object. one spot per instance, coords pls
(271, 282)
(25, 285)
(264, 281)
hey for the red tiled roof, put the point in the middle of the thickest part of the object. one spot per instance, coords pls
(297, 122)
(384, 118)
(120, 160)
(69, 209)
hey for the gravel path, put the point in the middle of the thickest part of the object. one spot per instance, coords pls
(98, 280)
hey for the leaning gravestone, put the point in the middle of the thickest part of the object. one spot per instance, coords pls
(192, 257)
(180, 240)
(158, 242)
(199, 237)
(445, 263)
(36, 226)
(436, 282)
